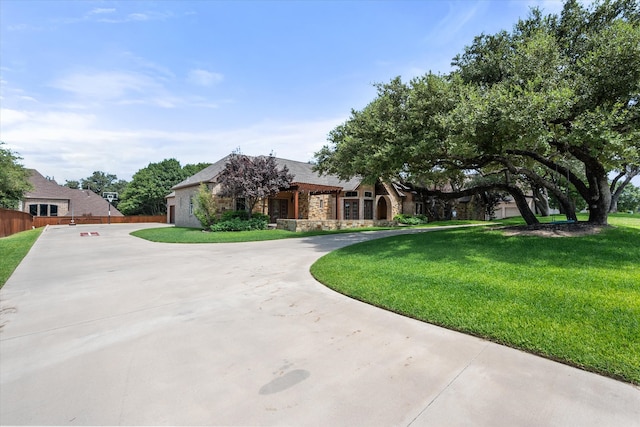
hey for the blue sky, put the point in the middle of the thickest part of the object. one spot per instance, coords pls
(115, 85)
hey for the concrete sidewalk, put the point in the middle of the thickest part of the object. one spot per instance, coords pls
(109, 329)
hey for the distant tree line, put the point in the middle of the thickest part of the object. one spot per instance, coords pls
(145, 193)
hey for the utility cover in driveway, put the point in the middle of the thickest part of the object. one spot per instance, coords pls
(89, 234)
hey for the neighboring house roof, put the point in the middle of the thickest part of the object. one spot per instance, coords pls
(302, 172)
(81, 202)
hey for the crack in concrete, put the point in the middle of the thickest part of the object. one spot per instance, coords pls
(454, 379)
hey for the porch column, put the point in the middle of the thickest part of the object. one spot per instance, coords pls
(337, 205)
(295, 204)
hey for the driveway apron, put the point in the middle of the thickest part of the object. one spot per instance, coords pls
(102, 328)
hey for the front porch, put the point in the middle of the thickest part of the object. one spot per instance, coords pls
(305, 201)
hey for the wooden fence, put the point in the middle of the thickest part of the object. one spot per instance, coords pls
(41, 221)
(12, 222)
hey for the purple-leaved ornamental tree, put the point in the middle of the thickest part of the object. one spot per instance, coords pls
(253, 178)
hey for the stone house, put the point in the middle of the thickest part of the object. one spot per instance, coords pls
(48, 198)
(313, 201)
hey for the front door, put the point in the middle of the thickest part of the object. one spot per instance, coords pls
(381, 209)
(172, 214)
(278, 208)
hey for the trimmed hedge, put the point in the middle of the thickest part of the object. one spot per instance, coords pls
(239, 221)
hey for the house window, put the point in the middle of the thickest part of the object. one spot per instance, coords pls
(44, 210)
(33, 210)
(351, 194)
(351, 209)
(53, 210)
(368, 209)
(321, 203)
(190, 207)
(419, 208)
(241, 204)
(368, 194)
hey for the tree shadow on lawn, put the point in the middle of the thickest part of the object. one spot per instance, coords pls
(612, 248)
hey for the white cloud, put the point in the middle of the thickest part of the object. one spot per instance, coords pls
(458, 16)
(73, 145)
(101, 11)
(23, 27)
(28, 98)
(97, 88)
(203, 77)
(137, 17)
(9, 117)
(161, 72)
(107, 85)
(47, 120)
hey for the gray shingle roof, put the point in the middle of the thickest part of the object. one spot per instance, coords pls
(83, 202)
(208, 174)
(302, 173)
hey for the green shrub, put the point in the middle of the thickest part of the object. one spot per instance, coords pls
(260, 216)
(228, 215)
(411, 220)
(237, 224)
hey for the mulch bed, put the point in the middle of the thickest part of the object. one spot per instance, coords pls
(553, 230)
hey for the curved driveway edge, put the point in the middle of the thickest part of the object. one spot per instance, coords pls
(109, 329)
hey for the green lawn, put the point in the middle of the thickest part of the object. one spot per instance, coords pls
(574, 299)
(12, 249)
(196, 235)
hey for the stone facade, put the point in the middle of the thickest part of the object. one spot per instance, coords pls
(321, 207)
(297, 225)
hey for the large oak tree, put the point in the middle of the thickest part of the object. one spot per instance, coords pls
(551, 104)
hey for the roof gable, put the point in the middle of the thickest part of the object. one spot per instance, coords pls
(208, 174)
(45, 188)
(302, 173)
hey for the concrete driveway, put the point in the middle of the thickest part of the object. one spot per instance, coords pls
(109, 329)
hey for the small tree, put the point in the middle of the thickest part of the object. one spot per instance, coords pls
(253, 178)
(205, 206)
(14, 178)
(629, 199)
